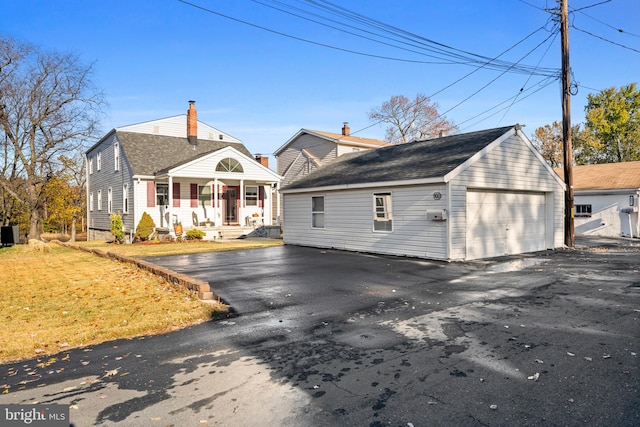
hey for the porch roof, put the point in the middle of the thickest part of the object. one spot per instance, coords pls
(150, 154)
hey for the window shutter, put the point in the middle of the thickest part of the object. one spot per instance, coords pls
(261, 196)
(151, 194)
(194, 195)
(176, 194)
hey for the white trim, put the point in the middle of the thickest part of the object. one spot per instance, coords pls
(437, 180)
(223, 153)
(606, 192)
(327, 138)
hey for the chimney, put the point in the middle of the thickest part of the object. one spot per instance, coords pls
(263, 160)
(192, 123)
(345, 129)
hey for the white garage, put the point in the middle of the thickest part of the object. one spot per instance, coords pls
(505, 222)
(468, 196)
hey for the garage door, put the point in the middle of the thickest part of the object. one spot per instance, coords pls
(504, 223)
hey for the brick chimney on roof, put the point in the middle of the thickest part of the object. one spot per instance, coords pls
(263, 160)
(192, 123)
(345, 129)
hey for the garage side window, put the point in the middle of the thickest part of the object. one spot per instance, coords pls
(583, 210)
(382, 212)
(317, 212)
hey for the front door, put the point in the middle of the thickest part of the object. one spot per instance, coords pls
(231, 205)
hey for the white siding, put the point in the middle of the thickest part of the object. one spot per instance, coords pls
(509, 166)
(606, 217)
(349, 222)
(321, 149)
(205, 167)
(177, 126)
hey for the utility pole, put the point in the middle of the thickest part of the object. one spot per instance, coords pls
(569, 236)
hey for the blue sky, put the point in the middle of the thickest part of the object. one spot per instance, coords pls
(152, 56)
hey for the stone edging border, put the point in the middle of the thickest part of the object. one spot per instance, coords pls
(199, 287)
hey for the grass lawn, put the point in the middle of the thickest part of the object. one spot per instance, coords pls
(60, 298)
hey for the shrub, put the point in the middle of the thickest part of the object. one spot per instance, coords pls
(117, 226)
(195, 234)
(145, 227)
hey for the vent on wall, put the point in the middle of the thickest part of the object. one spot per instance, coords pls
(156, 129)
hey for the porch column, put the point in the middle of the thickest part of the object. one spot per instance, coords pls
(215, 202)
(170, 205)
(241, 219)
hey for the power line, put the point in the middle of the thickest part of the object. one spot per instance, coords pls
(204, 9)
(604, 39)
(547, 81)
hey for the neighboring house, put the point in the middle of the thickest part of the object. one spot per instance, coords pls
(468, 196)
(606, 199)
(308, 150)
(177, 169)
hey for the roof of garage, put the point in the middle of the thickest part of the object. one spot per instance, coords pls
(433, 158)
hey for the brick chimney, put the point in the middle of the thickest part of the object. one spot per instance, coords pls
(345, 129)
(263, 160)
(192, 123)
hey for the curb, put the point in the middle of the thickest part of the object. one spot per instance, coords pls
(199, 287)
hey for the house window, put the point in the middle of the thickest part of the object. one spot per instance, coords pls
(204, 195)
(99, 200)
(251, 195)
(125, 198)
(90, 165)
(99, 160)
(91, 202)
(162, 194)
(116, 156)
(109, 200)
(382, 213)
(229, 165)
(317, 212)
(583, 210)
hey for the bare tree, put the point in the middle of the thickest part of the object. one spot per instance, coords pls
(411, 120)
(48, 107)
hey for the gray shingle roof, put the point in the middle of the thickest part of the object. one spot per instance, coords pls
(432, 158)
(149, 154)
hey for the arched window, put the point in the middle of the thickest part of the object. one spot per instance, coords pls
(229, 165)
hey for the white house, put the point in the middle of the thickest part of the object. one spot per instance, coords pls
(468, 196)
(178, 170)
(606, 199)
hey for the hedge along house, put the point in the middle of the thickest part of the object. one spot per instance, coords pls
(475, 195)
(178, 170)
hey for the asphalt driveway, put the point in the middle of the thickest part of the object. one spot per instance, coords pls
(324, 337)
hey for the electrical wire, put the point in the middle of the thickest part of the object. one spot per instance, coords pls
(604, 39)
(449, 50)
(528, 79)
(547, 81)
(204, 9)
